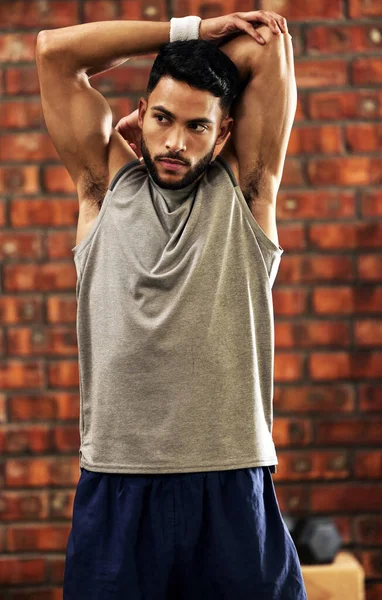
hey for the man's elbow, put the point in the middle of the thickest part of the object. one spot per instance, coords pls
(42, 41)
(276, 55)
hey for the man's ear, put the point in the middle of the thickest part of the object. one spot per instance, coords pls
(225, 128)
(142, 108)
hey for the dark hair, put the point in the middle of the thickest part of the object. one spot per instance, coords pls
(200, 64)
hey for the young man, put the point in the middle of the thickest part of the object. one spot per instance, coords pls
(176, 255)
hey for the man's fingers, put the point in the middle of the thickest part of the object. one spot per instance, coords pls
(281, 22)
(272, 23)
(248, 28)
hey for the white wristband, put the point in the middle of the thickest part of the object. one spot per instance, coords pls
(184, 28)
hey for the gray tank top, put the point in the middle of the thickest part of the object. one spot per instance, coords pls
(175, 328)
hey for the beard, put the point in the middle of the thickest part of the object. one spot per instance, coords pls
(192, 173)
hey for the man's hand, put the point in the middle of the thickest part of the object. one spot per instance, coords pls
(218, 29)
(129, 129)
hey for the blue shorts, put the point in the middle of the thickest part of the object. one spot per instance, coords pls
(215, 535)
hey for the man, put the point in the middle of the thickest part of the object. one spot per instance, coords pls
(176, 255)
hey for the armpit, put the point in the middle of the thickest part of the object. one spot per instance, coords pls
(251, 182)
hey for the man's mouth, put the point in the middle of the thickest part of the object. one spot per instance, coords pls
(172, 160)
(172, 165)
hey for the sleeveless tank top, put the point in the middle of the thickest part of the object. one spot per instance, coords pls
(175, 328)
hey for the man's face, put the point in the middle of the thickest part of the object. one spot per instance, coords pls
(185, 136)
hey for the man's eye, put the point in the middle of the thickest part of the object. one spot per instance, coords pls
(198, 125)
(192, 124)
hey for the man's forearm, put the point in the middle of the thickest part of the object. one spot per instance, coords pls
(96, 47)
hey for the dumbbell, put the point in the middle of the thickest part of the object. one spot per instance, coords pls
(317, 539)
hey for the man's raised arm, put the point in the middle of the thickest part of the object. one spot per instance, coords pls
(96, 47)
(263, 113)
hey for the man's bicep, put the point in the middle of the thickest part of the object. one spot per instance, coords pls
(78, 118)
(263, 117)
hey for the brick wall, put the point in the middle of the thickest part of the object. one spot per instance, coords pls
(327, 296)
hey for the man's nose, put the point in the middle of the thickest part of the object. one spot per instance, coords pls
(175, 141)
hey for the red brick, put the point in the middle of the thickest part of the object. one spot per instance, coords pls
(293, 430)
(356, 170)
(367, 529)
(312, 334)
(351, 497)
(298, 10)
(66, 439)
(307, 268)
(324, 139)
(292, 174)
(22, 81)
(371, 203)
(16, 374)
(369, 267)
(288, 366)
(19, 114)
(339, 39)
(44, 406)
(41, 472)
(3, 408)
(347, 104)
(300, 110)
(37, 538)
(19, 179)
(100, 10)
(371, 562)
(18, 506)
(316, 399)
(16, 309)
(58, 180)
(36, 15)
(323, 73)
(373, 590)
(14, 571)
(18, 47)
(61, 308)
(40, 277)
(292, 236)
(368, 465)
(365, 8)
(342, 365)
(58, 244)
(36, 341)
(135, 10)
(21, 245)
(346, 300)
(367, 71)
(364, 137)
(289, 301)
(308, 203)
(27, 147)
(43, 212)
(325, 465)
(208, 10)
(339, 432)
(292, 499)
(368, 333)
(2, 213)
(330, 236)
(370, 397)
(63, 374)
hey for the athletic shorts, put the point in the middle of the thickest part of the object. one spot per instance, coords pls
(215, 535)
